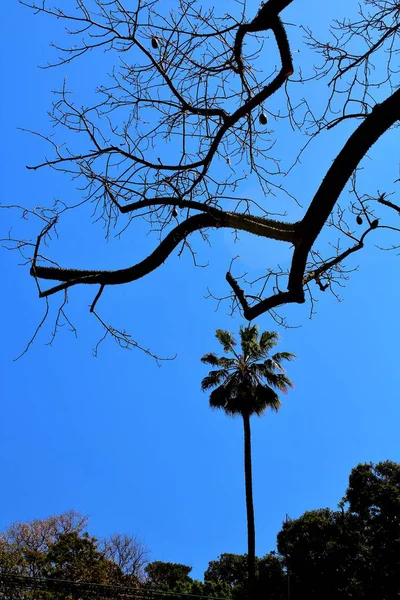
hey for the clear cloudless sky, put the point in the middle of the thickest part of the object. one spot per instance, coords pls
(134, 445)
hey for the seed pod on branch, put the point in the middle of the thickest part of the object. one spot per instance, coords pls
(263, 119)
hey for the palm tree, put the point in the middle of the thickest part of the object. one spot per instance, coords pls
(244, 385)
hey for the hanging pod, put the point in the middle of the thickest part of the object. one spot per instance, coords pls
(154, 42)
(263, 118)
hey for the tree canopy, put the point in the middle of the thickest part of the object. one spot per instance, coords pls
(167, 576)
(60, 548)
(232, 570)
(186, 135)
(351, 552)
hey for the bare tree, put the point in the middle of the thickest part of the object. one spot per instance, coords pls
(183, 130)
(127, 552)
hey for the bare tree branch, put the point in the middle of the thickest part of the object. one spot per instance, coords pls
(183, 131)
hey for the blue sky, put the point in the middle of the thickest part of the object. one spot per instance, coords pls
(134, 445)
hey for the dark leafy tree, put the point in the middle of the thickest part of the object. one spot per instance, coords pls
(167, 576)
(243, 385)
(374, 491)
(373, 500)
(231, 570)
(216, 589)
(75, 557)
(174, 578)
(271, 581)
(200, 77)
(324, 554)
(353, 552)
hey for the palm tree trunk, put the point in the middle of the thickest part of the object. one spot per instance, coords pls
(251, 534)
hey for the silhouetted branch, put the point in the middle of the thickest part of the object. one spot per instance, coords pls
(185, 129)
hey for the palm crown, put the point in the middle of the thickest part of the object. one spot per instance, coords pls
(244, 383)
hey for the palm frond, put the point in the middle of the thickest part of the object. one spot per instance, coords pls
(249, 341)
(226, 339)
(213, 379)
(265, 397)
(280, 356)
(229, 395)
(261, 369)
(268, 340)
(248, 333)
(211, 359)
(219, 397)
(273, 365)
(280, 381)
(228, 363)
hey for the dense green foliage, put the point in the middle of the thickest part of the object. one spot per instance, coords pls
(166, 575)
(353, 552)
(231, 570)
(76, 557)
(174, 577)
(344, 554)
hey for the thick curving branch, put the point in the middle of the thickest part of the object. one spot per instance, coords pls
(242, 221)
(302, 235)
(266, 18)
(382, 117)
(256, 225)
